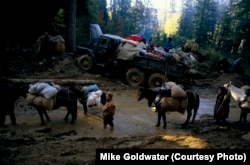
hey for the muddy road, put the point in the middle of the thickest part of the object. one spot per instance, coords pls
(63, 143)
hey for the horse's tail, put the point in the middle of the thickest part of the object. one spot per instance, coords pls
(193, 103)
(197, 101)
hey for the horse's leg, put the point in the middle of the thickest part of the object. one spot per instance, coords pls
(46, 115)
(74, 111)
(40, 112)
(158, 117)
(243, 116)
(193, 107)
(70, 110)
(189, 114)
(3, 113)
(195, 112)
(84, 104)
(67, 115)
(73, 115)
(85, 108)
(12, 114)
(163, 114)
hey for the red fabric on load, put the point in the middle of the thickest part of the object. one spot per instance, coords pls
(135, 38)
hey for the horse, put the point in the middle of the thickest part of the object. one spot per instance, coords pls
(151, 93)
(65, 97)
(10, 93)
(241, 96)
(84, 97)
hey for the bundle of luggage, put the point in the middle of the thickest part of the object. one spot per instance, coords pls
(42, 94)
(93, 95)
(176, 98)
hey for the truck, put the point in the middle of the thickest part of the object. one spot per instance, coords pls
(141, 70)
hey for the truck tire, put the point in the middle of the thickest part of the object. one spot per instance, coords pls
(85, 62)
(156, 80)
(134, 77)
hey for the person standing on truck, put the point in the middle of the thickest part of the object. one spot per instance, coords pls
(169, 45)
(151, 46)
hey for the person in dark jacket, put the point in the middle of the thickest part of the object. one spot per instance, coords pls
(223, 65)
(169, 45)
(47, 47)
(221, 107)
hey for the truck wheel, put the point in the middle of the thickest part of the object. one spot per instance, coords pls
(85, 62)
(134, 77)
(156, 80)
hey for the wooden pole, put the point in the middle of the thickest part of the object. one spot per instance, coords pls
(56, 81)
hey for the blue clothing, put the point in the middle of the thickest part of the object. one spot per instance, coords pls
(236, 62)
(169, 45)
(237, 65)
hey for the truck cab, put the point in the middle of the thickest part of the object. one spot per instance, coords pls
(103, 50)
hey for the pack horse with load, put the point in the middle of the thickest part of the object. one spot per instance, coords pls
(127, 57)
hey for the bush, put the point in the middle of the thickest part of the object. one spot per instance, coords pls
(213, 57)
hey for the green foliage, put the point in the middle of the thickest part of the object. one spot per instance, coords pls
(213, 57)
(132, 18)
(185, 22)
(217, 27)
(59, 25)
(246, 70)
(96, 14)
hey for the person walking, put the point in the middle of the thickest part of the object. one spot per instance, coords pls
(221, 107)
(108, 111)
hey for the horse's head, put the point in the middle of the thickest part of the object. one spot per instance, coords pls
(147, 93)
(103, 98)
(228, 85)
(237, 93)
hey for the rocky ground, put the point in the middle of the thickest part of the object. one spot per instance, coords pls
(63, 143)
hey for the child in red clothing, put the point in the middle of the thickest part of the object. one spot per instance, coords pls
(108, 111)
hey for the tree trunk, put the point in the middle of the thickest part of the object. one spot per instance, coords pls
(70, 39)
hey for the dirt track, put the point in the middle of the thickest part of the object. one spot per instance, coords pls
(63, 143)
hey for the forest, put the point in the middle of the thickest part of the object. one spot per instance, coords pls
(216, 29)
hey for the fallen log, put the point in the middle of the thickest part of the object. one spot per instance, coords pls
(56, 81)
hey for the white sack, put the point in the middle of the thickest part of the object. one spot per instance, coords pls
(49, 92)
(94, 99)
